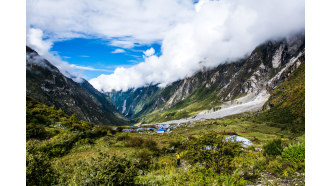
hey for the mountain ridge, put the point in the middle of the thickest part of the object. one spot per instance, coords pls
(208, 89)
(45, 83)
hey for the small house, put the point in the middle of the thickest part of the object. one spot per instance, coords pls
(127, 130)
(161, 131)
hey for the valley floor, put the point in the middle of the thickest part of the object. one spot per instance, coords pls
(249, 103)
(150, 157)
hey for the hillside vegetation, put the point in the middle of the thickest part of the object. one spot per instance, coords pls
(63, 150)
(287, 103)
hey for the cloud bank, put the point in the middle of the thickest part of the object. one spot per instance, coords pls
(35, 39)
(215, 32)
(207, 33)
(126, 23)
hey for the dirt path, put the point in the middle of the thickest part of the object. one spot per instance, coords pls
(269, 179)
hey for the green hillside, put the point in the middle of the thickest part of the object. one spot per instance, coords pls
(201, 99)
(287, 103)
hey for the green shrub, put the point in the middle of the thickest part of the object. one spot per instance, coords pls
(150, 144)
(96, 132)
(106, 170)
(74, 118)
(35, 131)
(176, 144)
(107, 140)
(230, 180)
(123, 137)
(273, 148)
(38, 170)
(134, 142)
(294, 155)
(56, 147)
(247, 165)
(144, 158)
(85, 141)
(213, 151)
(77, 127)
(275, 166)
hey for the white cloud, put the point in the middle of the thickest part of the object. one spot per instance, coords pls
(84, 56)
(35, 40)
(149, 52)
(210, 31)
(118, 50)
(128, 43)
(125, 23)
(88, 68)
(217, 32)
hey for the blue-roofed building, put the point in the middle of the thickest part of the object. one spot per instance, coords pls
(127, 130)
(161, 131)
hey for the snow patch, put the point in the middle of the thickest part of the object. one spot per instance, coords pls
(277, 57)
(293, 60)
(124, 107)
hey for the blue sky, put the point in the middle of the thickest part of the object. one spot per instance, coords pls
(98, 54)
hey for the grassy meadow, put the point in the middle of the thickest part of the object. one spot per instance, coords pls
(62, 150)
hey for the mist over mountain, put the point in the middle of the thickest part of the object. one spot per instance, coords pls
(228, 84)
(217, 32)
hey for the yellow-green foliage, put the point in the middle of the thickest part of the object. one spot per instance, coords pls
(294, 155)
(287, 103)
(80, 153)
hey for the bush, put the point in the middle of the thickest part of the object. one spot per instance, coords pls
(213, 151)
(275, 166)
(134, 142)
(106, 170)
(150, 144)
(38, 170)
(97, 132)
(107, 140)
(273, 148)
(176, 144)
(144, 158)
(294, 155)
(85, 141)
(123, 137)
(58, 146)
(35, 131)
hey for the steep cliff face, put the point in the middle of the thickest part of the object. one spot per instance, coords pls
(266, 67)
(45, 83)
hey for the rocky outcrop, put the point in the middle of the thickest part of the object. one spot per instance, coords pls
(45, 83)
(268, 65)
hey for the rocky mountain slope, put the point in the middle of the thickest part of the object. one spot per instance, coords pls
(215, 89)
(45, 83)
(286, 104)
